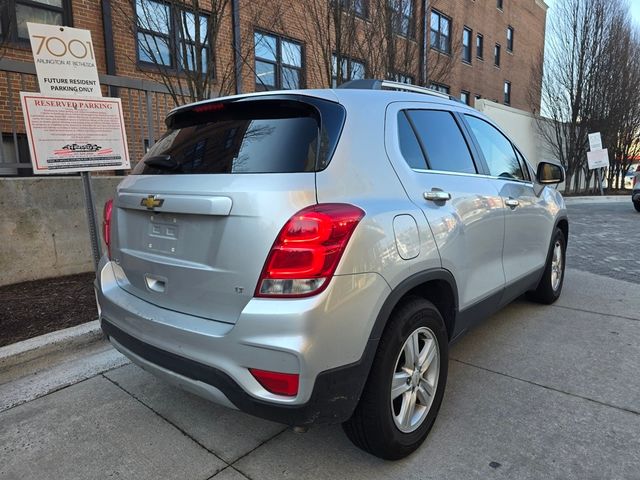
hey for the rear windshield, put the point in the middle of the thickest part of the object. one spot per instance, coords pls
(269, 136)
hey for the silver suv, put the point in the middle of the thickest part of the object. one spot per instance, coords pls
(308, 256)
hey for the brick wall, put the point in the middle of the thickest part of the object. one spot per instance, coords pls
(294, 20)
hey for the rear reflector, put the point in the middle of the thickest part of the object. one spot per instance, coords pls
(275, 382)
(307, 250)
(106, 224)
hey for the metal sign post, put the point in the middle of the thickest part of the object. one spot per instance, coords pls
(599, 178)
(92, 220)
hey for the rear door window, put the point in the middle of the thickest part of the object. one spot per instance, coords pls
(242, 137)
(409, 145)
(442, 142)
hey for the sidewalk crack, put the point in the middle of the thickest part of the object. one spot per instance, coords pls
(181, 430)
(623, 409)
(596, 313)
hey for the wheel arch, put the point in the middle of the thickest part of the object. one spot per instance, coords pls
(436, 285)
(563, 224)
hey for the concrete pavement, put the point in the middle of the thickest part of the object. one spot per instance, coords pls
(535, 392)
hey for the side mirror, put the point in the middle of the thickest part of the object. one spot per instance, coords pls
(549, 173)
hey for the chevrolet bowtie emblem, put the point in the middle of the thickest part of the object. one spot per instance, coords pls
(151, 202)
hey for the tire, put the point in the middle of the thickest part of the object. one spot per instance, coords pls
(376, 425)
(550, 286)
(637, 206)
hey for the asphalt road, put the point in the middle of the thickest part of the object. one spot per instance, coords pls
(604, 238)
(534, 392)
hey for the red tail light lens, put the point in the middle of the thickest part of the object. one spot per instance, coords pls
(635, 179)
(307, 250)
(106, 224)
(276, 382)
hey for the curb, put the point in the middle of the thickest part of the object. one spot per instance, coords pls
(49, 343)
(598, 199)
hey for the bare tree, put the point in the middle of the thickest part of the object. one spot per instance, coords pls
(616, 112)
(5, 28)
(260, 14)
(590, 83)
(440, 64)
(178, 39)
(332, 31)
(573, 41)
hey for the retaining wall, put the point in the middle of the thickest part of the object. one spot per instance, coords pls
(43, 226)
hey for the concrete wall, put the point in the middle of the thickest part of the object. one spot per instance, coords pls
(43, 226)
(522, 128)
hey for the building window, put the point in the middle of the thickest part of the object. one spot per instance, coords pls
(359, 7)
(440, 38)
(500, 4)
(15, 15)
(350, 69)
(402, 17)
(465, 97)
(507, 93)
(510, 39)
(278, 62)
(480, 46)
(439, 87)
(466, 45)
(402, 78)
(496, 55)
(172, 37)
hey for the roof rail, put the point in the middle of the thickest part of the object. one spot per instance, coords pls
(373, 84)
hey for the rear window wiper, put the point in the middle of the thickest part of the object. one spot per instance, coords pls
(162, 162)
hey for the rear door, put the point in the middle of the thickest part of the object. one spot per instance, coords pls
(462, 208)
(195, 221)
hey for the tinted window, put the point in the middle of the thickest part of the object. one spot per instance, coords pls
(497, 150)
(249, 137)
(409, 145)
(445, 147)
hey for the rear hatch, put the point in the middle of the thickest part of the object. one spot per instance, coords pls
(193, 224)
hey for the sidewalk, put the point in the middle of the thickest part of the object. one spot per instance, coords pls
(535, 392)
(598, 199)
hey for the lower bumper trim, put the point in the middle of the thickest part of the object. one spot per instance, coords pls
(335, 394)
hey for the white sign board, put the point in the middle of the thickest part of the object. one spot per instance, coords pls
(595, 141)
(598, 159)
(70, 134)
(65, 60)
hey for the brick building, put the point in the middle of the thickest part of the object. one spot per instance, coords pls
(468, 48)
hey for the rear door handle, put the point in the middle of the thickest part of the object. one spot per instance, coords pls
(511, 202)
(437, 196)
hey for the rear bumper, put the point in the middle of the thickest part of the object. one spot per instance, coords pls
(335, 393)
(324, 339)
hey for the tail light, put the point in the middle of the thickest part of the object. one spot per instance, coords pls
(106, 224)
(307, 250)
(276, 382)
(635, 179)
